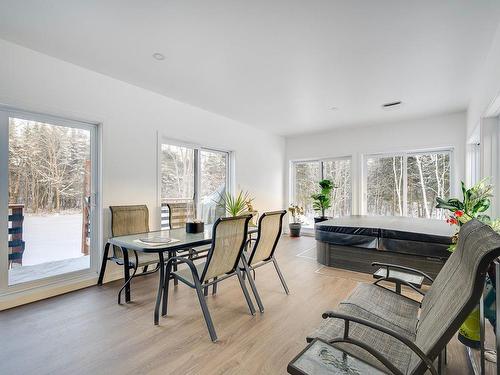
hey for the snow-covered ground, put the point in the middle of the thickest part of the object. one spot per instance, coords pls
(51, 238)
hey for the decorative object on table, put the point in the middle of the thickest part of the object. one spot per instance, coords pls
(476, 200)
(195, 226)
(296, 224)
(322, 201)
(235, 205)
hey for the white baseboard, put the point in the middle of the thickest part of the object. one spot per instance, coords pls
(18, 298)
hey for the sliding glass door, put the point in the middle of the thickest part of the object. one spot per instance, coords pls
(194, 179)
(48, 185)
(307, 174)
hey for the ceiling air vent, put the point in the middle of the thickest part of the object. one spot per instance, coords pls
(392, 105)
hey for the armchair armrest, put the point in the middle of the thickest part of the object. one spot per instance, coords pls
(388, 266)
(347, 319)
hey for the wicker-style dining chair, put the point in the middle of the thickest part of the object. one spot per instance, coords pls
(228, 241)
(262, 251)
(127, 220)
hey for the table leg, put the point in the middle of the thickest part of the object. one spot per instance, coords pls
(160, 294)
(103, 264)
(126, 273)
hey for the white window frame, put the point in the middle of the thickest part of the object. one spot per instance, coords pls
(63, 280)
(404, 154)
(292, 178)
(230, 170)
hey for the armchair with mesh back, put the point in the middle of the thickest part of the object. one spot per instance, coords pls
(402, 335)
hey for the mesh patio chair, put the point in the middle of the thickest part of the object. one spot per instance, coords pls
(262, 252)
(127, 220)
(404, 336)
(178, 216)
(228, 241)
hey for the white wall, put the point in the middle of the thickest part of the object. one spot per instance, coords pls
(427, 133)
(486, 88)
(130, 118)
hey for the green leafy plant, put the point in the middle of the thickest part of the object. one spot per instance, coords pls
(476, 200)
(236, 205)
(323, 200)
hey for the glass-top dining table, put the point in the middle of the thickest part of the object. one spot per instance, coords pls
(178, 239)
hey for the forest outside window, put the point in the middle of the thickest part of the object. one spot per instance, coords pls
(194, 177)
(48, 180)
(307, 174)
(407, 184)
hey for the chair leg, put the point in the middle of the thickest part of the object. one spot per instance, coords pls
(127, 284)
(245, 292)
(252, 283)
(103, 264)
(441, 368)
(126, 274)
(214, 287)
(206, 313)
(205, 291)
(280, 276)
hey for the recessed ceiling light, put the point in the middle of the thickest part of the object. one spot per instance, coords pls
(392, 105)
(158, 56)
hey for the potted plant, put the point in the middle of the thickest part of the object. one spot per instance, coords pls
(322, 200)
(236, 205)
(296, 224)
(476, 200)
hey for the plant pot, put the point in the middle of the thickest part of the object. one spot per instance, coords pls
(320, 219)
(295, 229)
(197, 227)
(469, 332)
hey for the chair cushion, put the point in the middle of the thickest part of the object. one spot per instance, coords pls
(186, 274)
(392, 349)
(392, 310)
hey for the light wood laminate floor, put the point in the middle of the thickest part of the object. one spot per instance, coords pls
(86, 332)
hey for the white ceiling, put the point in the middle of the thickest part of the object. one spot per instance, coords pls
(275, 64)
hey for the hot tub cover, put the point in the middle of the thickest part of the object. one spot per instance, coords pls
(428, 237)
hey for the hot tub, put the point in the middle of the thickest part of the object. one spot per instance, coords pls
(354, 242)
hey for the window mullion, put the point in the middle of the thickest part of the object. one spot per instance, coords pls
(197, 182)
(405, 184)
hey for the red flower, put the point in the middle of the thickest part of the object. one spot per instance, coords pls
(459, 213)
(453, 221)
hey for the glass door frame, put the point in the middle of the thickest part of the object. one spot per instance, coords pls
(162, 140)
(95, 204)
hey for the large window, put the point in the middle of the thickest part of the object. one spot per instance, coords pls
(407, 184)
(307, 174)
(50, 190)
(195, 178)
